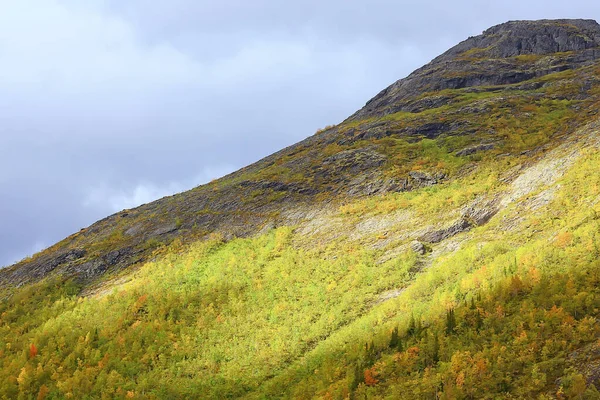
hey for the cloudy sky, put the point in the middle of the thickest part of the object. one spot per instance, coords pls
(106, 105)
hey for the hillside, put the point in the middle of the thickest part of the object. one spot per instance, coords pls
(442, 242)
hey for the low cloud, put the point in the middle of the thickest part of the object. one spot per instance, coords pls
(113, 200)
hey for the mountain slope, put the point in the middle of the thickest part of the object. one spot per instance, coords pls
(472, 180)
(504, 92)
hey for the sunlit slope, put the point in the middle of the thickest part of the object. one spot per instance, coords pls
(442, 242)
(289, 312)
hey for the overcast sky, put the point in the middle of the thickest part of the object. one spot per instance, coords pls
(106, 105)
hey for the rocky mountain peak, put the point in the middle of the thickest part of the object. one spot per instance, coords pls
(506, 54)
(541, 37)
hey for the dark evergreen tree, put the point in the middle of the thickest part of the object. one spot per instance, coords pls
(450, 322)
(394, 339)
(478, 321)
(370, 354)
(357, 377)
(412, 328)
(419, 327)
(435, 351)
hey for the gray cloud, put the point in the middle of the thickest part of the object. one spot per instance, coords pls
(107, 104)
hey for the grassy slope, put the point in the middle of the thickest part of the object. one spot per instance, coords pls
(285, 315)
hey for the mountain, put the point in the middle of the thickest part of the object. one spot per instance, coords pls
(441, 242)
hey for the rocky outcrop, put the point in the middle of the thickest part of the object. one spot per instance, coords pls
(475, 149)
(516, 38)
(476, 214)
(279, 187)
(423, 179)
(353, 161)
(462, 225)
(418, 247)
(41, 267)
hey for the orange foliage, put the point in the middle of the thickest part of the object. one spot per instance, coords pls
(460, 379)
(564, 239)
(43, 392)
(413, 351)
(33, 351)
(141, 301)
(370, 379)
(102, 363)
(481, 366)
(534, 275)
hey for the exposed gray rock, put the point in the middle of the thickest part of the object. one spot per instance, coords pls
(41, 267)
(355, 172)
(73, 255)
(430, 130)
(134, 230)
(475, 149)
(418, 247)
(536, 37)
(412, 132)
(87, 270)
(279, 187)
(423, 104)
(372, 183)
(390, 294)
(163, 230)
(113, 257)
(421, 179)
(356, 160)
(477, 214)
(457, 227)
(481, 212)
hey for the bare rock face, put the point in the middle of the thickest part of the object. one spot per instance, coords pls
(542, 37)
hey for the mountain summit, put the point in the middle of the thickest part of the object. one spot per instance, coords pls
(542, 37)
(441, 242)
(505, 54)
